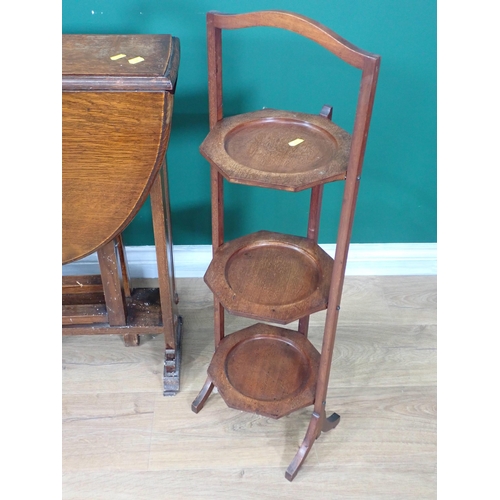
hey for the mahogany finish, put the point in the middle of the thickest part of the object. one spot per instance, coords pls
(265, 369)
(260, 149)
(290, 276)
(117, 103)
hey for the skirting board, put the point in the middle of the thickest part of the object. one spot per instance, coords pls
(365, 259)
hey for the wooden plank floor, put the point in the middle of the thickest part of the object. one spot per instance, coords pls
(122, 439)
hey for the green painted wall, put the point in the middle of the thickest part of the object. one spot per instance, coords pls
(272, 68)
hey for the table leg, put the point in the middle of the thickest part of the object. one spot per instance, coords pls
(172, 322)
(124, 266)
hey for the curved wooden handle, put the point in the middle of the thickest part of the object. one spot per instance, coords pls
(299, 24)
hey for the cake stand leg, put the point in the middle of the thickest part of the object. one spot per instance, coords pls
(317, 425)
(312, 234)
(312, 433)
(314, 217)
(304, 325)
(200, 400)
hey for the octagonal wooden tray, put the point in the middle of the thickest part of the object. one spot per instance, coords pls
(266, 369)
(271, 276)
(279, 149)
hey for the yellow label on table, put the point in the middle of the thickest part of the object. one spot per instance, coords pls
(136, 60)
(296, 142)
(118, 56)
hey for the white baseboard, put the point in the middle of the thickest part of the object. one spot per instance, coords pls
(366, 259)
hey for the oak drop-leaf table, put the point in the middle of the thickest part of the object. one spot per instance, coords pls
(117, 101)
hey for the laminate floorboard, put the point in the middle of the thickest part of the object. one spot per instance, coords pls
(122, 439)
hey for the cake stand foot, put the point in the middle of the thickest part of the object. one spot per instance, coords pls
(200, 400)
(312, 433)
(317, 425)
(330, 422)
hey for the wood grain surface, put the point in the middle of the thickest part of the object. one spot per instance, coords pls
(113, 145)
(92, 54)
(238, 152)
(123, 440)
(290, 276)
(266, 370)
(120, 62)
(258, 149)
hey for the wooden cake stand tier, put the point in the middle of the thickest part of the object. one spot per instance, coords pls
(271, 276)
(266, 369)
(279, 149)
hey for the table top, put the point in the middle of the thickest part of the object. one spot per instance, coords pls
(117, 100)
(120, 62)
